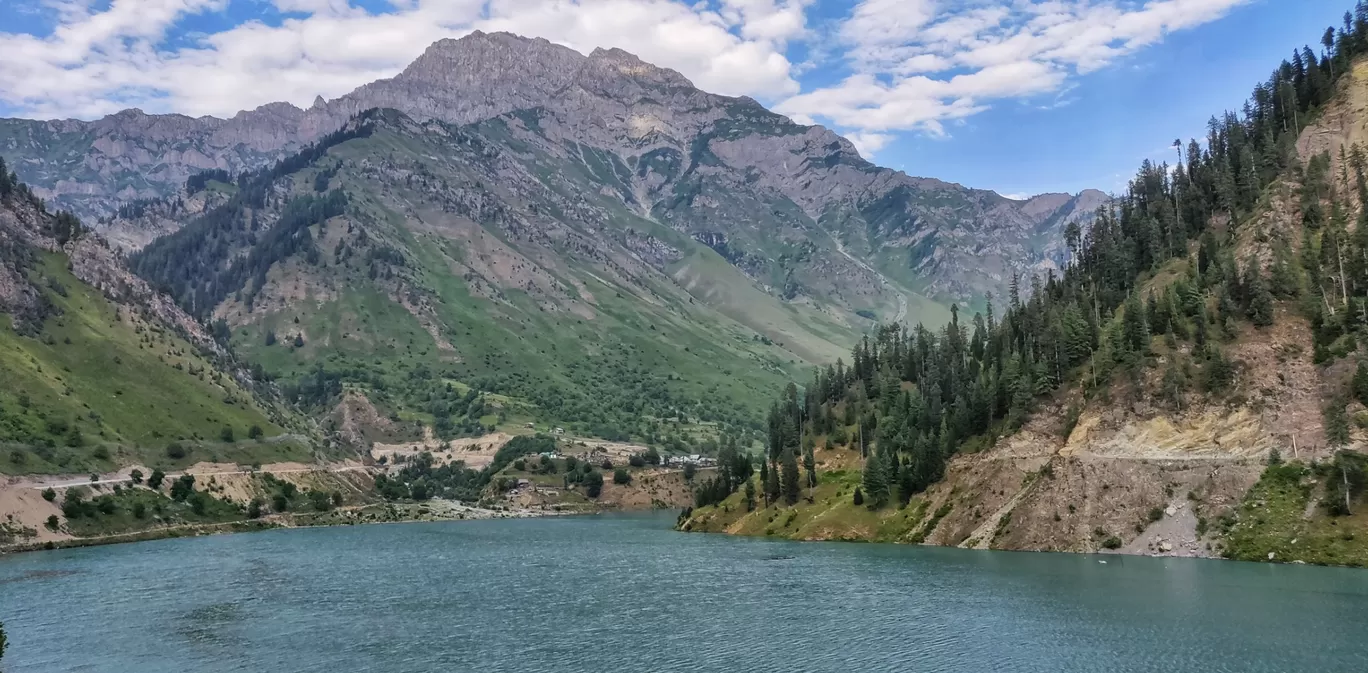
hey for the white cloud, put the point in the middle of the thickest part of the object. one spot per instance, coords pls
(918, 64)
(97, 62)
(913, 64)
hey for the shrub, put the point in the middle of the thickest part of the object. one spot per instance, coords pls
(520, 465)
(255, 432)
(18, 457)
(175, 451)
(154, 482)
(182, 488)
(593, 484)
(139, 510)
(101, 453)
(1156, 513)
(859, 497)
(1112, 542)
(689, 471)
(53, 523)
(620, 476)
(279, 503)
(607, 464)
(136, 476)
(636, 461)
(49, 494)
(254, 508)
(226, 434)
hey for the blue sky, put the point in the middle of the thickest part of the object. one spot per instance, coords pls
(1020, 96)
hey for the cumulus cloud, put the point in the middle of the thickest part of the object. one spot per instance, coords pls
(917, 64)
(98, 61)
(912, 64)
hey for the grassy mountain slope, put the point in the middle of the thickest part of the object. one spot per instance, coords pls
(1216, 410)
(94, 382)
(458, 258)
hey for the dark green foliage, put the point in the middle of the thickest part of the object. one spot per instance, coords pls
(858, 499)
(621, 476)
(182, 488)
(593, 483)
(197, 182)
(789, 480)
(1358, 386)
(49, 494)
(154, 482)
(226, 435)
(1336, 423)
(1346, 478)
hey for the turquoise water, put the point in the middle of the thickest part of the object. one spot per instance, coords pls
(624, 593)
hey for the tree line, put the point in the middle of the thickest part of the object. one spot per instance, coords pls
(910, 399)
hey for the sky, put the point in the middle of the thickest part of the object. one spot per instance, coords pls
(1019, 96)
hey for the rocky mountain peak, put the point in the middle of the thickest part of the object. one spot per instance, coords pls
(627, 64)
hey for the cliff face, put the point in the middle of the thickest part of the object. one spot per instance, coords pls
(707, 165)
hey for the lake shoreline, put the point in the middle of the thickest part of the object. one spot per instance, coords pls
(435, 510)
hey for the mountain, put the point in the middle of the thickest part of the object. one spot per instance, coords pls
(1195, 383)
(794, 207)
(102, 371)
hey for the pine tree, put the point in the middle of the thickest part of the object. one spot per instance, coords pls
(1359, 384)
(1260, 299)
(1336, 424)
(750, 495)
(875, 481)
(792, 489)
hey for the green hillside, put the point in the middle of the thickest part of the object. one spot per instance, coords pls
(91, 385)
(418, 263)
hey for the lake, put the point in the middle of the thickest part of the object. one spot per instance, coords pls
(625, 593)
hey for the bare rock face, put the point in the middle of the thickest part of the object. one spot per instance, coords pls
(792, 201)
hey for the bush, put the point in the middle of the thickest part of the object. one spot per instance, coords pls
(859, 497)
(620, 476)
(1112, 542)
(226, 435)
(136, 476)
(279, 503)
(101, 453)
(520, 465)
(636, 461)
(49, 494)
(175, 451)
(593, 484)
(183, 488)
(154, 482)
(18, 457)
(255, 432)
(689, 471)
(139, 510)
(53, 523)
(1156, 513)
(607, 464)
(254, 508)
